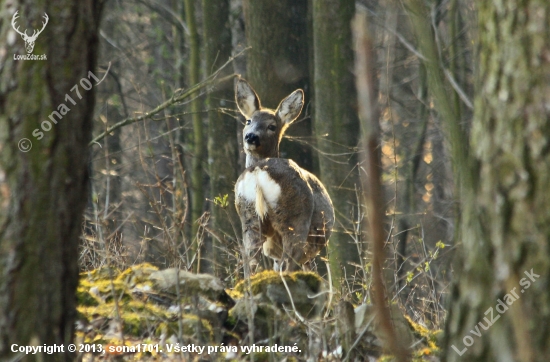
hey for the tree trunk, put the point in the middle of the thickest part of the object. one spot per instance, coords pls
(238, 42)
(43, 190)
(277, 62)
(441, 93)
(336, 123)
(197, 176)
(222, 129)
(505, 269)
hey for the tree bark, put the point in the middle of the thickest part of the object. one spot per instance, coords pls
(277, 61)
(43, 191)
(238, 42)
(336, 123)
(373, 193)
(197, 176)
(441, 93)
(505, 229)
(222, 129)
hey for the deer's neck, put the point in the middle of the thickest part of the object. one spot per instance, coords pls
(252, 160)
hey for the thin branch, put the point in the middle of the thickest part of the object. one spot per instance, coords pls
(399, 36)
(454, 132)
(369, 116)
(167, 13)
(457, 89)
(178, 96)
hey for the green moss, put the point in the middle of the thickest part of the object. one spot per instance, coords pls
(234, 293)
(99, 280)
(261, 280)
(139, 315)
(84, 298)
(137, 274)
(99, 273)
(104, 288)
(141, 318)
(268, 287)
(136, 324)
(190, 324)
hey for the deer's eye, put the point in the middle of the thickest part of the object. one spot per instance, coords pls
(272, 127)
(248, 121)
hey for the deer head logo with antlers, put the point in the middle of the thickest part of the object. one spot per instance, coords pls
(29, 40)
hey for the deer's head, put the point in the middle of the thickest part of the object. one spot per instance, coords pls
(29, 40)
(264, 127)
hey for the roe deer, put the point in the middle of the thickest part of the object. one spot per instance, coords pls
(282, 207)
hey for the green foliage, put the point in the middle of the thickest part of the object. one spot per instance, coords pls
(221, 201)
(430, 336)
(410, 276)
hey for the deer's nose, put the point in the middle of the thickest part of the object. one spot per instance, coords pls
(252, 139)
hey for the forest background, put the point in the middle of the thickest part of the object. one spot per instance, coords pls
(150, 155)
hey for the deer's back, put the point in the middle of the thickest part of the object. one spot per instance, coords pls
(294, 198)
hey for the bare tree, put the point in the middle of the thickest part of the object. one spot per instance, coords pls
(336, 122)
(49, 104)
(199, 148)
(222, 128)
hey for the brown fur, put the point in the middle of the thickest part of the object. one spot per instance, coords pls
(299, 225)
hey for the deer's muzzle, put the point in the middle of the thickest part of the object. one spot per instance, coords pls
(252, 139)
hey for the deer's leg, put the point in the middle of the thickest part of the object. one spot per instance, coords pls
(319, 232)
(316, 241)
(273, 248)
(293, 249)
(252, 235)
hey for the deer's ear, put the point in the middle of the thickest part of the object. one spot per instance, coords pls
(247, 100)
(289, 109)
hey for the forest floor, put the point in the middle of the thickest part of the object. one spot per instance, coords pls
(147, 314)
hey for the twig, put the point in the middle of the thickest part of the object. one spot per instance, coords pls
(290, 297)
(457, 89)
(359, 337)
(178, 96)
(369, 115)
